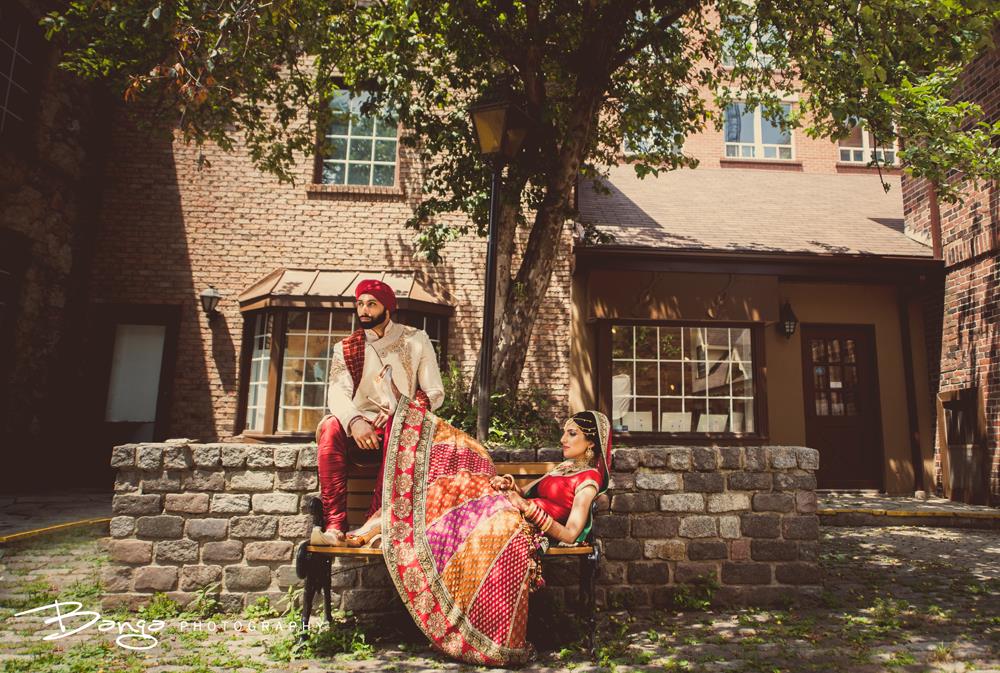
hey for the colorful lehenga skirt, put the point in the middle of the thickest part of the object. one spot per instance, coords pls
(460, 555)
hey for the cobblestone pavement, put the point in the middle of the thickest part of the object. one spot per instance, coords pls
(20, 513)
(871, 500)
(895, 599)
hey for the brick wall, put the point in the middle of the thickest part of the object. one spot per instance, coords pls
(170, 229)
(189, 515)
(965, 344)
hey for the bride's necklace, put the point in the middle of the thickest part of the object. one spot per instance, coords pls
(568, 467)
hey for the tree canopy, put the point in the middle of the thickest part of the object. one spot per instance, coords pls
(589, 73)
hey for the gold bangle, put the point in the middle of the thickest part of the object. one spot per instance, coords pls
(547, 524)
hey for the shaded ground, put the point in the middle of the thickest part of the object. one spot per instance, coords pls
(895, 599)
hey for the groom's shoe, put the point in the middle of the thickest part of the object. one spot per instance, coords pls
(330, 538)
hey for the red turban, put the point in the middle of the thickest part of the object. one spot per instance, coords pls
(379, 290)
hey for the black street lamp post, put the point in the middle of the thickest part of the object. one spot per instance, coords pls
(501, 129)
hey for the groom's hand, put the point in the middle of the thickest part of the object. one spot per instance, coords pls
(364, 434)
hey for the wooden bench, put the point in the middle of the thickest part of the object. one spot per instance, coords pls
(314, 563)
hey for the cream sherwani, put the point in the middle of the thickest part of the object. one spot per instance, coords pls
(414, 365)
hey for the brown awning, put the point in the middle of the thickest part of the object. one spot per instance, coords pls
(329, 288)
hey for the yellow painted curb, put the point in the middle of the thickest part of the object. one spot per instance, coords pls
(913, 513)
(13, 537)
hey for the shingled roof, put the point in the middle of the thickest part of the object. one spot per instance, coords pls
(752, 210)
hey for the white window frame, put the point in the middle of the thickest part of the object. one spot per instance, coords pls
(756, 150)
(354, 106)
(868, 153)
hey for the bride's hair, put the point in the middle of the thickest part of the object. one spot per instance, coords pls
(588, 423)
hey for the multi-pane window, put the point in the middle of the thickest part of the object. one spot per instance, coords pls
(21, 51)
(835, 376)
(859, 148)
(435, 326)
(260, 364)
(360, 148)
(750, 134)
(682, 379)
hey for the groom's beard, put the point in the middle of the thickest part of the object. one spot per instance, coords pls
(371, 322)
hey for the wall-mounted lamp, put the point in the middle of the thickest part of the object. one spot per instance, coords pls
(210, 299)
(787, 322)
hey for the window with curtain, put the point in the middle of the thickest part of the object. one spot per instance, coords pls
(750, 134)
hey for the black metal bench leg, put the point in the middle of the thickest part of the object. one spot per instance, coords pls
(307, 598)
(326, 591)
(588, 603)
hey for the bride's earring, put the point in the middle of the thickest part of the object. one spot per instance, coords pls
(589, 455)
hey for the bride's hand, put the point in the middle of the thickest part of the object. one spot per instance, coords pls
(499, 483)
(516, 500)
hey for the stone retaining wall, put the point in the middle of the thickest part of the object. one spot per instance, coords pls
(187, 515)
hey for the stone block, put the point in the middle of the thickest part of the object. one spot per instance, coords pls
(682, 502)
(149, 458)
(633, 502)
(805, 502)
(809, 551)
(550, 455)
(623, 550)
(233, 456)
(188, 503)
(275, 503)
(204, 480)
(755, 458)
(222, 552)
(123, 456)
(307, 457)
(196, 577)
(804, 527)
(728, 502)
(117, 578)
(808, 459)
(260, 457)
(729, 527)
(737, 572)
(739, 550)
(653, 457)
(679, 459)
(649, 572)
(658, 481)
(668, 550)
(704, 458)
(698, 526)
(626, 460)
(760, 525)
(655, 525)
(127, 480)
(297, 480)
(781, 457)
(176, 552)
(706, 550)
(611, 573)
(704, 482)
(611, 526)
(206, 529)
(522, 455)
(694, 572)
(261, 527)
(630, 598)
(375, 576)
(296, 527)
(364, 599)
(159, 527)
(155, 578)
(784, 481)
(773, 550)
(234, 603)
(286, 577)
(150, 503)
(130, 551)
(251, 480)
(285, 457)
(247, 578)
(750, 481)
(169, 482)
(798, 573)
(730, 457)
(230, 503)
(268, 551)
(622, 481)
(176, 457)
(126, 601)
(773, 502)
(122, 526)
(206, 456)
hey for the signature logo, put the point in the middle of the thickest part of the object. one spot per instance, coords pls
(131, 636)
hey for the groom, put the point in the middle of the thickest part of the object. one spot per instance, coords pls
(357, 399)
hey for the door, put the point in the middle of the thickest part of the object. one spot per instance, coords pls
(843, 422)
(134, 382)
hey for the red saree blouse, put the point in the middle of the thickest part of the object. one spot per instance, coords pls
(555, 492)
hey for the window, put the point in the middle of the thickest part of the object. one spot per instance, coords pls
(682, 379)
(360, 149)
(734, 33)
(21, 53)
(859, 148)
(302, 341)
(750, 135)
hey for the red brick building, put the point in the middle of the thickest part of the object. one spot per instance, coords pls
(965, 336)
